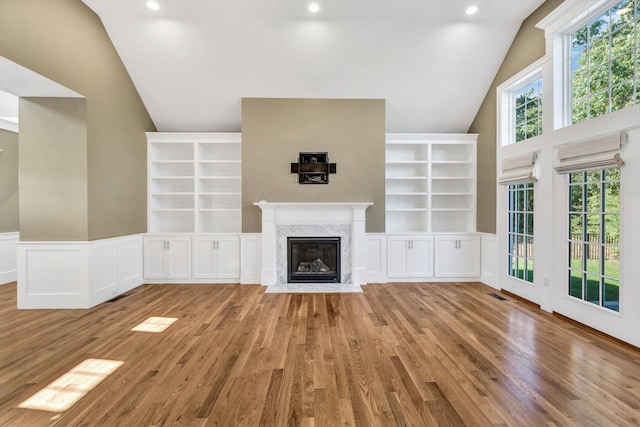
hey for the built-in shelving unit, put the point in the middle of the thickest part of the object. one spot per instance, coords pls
(430, 183)
(195, 182)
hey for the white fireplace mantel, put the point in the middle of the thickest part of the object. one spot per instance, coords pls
(316, 216)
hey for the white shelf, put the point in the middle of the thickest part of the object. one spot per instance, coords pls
(430, 182)
(171, 162)
(435, 178)
(407, 142)
(220, 161)
(194, 182)
(219, 193)
(405, 177)
(175, 193)
(407, 162)
(451, 194)
(451, 162)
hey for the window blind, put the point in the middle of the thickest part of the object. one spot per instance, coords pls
(516, 170)
(598, 153)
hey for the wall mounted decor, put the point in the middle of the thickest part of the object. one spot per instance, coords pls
(313, 168)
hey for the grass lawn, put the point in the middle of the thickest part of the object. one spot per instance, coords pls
(518, 269)
(593, 289)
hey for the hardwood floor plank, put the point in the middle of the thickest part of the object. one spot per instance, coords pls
(407, 354)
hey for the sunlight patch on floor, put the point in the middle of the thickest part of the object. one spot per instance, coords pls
(155, 324)
(61, 394)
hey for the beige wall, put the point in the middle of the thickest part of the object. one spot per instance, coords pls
(8, 181)
(527, 47)
(274, 131)
(53, 169)
(66, 42)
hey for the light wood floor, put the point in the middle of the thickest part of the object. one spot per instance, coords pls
(396, 355)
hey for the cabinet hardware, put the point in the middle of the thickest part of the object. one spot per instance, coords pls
(168, 244)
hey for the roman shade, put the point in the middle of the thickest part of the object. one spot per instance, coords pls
(597, 153)
(519, 169)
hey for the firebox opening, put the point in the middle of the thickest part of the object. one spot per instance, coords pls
(313, 259)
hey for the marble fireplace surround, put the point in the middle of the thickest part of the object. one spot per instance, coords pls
(309, 219)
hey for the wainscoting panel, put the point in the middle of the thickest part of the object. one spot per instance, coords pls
(77, 274)
(130, 263)
(115, 267)
(8, 257)
(250, 258)
(377, 257)
(489, 260)
(52, 275)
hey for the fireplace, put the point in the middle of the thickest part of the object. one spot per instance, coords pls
(281, 220)
(313, 260)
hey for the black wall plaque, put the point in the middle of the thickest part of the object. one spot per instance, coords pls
(313, 168)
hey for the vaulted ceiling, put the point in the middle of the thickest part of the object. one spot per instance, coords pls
(193, 60)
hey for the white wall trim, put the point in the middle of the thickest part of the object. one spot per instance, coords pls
(250, 258)
(377, 257)
(8, 125)
(569, 12)
(8, 257)
(489, 257)
(77, 274)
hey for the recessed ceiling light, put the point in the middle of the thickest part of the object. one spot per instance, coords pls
(153, 5)
(471, 10)
(314, 7)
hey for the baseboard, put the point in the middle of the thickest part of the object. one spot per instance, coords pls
(8, 257)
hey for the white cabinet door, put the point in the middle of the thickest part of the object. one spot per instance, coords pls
(228, 257)
(409, 256)
(179, 258)
(457, 256)
(469, 254)
(446, 259)
(154, 258)
(421, 252)
(167, 257)
(216, 257)
(398, 256)
(203, 257)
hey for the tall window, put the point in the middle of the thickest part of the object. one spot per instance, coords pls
(528, 110)
(604, 62)
(521, 231)
(594, 232)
